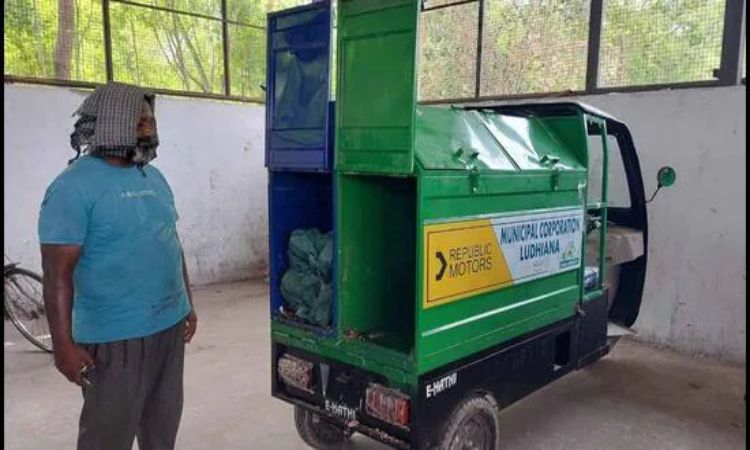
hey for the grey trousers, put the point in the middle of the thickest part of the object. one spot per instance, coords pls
(135, 391)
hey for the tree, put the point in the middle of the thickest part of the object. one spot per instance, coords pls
(528, 46)
(660, 41)
(65, 39)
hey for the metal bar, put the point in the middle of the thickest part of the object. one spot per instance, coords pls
(208, 96)
(245, 24)
(478, 67)
(169, 10)
(656, 87)
(225, 46)
(185, 13)
(89, 85)
(604, 201)
(731, 46)
(11, 79)
(644, 88)
(460, 2)
(595, 39)
(107, 41)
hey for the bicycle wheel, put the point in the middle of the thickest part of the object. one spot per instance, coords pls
(24, 305)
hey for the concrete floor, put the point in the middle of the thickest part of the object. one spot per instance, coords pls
(636, 398)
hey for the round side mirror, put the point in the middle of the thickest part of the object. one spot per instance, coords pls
(666, 177)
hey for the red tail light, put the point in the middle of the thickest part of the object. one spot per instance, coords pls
(296, 372)
(388, 405)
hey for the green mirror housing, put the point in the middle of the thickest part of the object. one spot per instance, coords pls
(666, 176)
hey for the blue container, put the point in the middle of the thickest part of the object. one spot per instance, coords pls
(299, 134)
(299, 118)
(296, 200)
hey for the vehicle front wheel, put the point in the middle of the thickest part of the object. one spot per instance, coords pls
(473, 425)
(317, 432)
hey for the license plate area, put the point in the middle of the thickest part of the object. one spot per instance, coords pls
(337, 389)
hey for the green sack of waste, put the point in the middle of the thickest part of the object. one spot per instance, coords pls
(306, 285)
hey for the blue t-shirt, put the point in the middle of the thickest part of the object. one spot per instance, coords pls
(128, 282)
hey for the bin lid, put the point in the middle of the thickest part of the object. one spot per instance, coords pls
(455, 138)
(298, 113)
(376, 86)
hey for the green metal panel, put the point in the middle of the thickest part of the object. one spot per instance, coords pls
(380, 246)
(593, 121)
(376, 219)
(570, 131)
(450, 194)
(447, 138)
(471, 163)
(458, 329)
(376, 86)
(528, 141)
(454, 138)
(396, 366)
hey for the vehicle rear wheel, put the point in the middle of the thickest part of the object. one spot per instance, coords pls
(473, 425)
(317, 432)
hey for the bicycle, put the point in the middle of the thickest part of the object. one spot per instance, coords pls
(24, 304)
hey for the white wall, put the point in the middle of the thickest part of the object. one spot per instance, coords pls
(211, 153)
(695, 293)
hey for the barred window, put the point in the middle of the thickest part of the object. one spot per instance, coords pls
(168, 45)
(653, 42)
(47, 39)
(167, 50)
(448, 52)
(519, 47)
(534, 46)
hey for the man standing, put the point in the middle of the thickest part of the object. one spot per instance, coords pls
(115, 283)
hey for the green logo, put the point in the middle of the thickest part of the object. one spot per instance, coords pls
(569, 255)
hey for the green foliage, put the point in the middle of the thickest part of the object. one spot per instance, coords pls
(660, 41)
(528, 46)
(448, 51)
(537, 46)
(166, 50)
(247, 46)
(151, 48)
(534, 46)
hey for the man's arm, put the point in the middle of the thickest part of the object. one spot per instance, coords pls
(58, 264)
(192, 318)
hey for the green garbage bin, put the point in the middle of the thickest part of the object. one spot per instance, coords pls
(459, 237)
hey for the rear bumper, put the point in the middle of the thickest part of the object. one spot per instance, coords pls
(509, 371)
(374, 433)
(338, 394)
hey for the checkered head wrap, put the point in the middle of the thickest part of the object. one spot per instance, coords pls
(108, 121)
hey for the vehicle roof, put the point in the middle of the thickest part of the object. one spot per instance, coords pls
(540, 107)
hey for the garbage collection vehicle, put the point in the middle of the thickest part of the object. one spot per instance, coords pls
(430, 265)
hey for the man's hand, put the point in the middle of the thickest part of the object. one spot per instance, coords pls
(72, 361)
(58, 263)
(191, 324)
